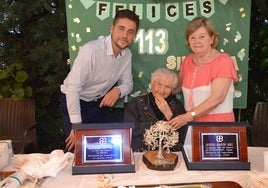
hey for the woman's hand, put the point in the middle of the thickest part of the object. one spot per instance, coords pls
(163, 106)
(179, 121)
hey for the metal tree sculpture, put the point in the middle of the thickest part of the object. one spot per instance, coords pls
(160, 136)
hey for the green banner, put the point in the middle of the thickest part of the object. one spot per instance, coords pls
(160, 41)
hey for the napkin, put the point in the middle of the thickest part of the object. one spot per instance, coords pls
(48, 165)
(39, 166)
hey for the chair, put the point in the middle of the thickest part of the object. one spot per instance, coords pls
(259, 129)
(17, 123)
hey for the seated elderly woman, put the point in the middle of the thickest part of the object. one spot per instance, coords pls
(160, 103)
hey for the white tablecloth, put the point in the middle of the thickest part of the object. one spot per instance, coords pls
(143, 175)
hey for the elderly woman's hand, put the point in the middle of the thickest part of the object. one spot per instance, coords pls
(163, 106)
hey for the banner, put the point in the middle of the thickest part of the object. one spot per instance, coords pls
(160, 40)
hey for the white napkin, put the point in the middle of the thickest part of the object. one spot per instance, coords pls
(47, 166)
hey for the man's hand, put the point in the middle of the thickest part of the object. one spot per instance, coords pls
(111, 97)
(70, 141)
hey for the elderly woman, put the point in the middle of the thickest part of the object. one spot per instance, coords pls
(159, 104)
(207, 77)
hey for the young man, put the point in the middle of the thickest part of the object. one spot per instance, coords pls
(101, 74)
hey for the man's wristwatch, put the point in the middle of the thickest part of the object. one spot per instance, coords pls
(193, 114)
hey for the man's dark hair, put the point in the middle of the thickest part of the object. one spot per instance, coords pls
(126, 13)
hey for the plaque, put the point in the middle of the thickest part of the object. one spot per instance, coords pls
(216, 145)
(103, 148)
(221, 145)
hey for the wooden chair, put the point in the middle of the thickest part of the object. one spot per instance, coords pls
(17, 123)
(259, 128)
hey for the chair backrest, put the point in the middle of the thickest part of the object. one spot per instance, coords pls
(16, 118)
(259, 130)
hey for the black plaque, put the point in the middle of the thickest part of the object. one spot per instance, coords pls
(102, 148)
(219, 146)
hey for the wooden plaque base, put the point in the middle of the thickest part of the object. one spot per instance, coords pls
(169, 161)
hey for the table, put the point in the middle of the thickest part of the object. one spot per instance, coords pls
(143, 175)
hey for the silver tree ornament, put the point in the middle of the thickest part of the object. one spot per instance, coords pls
(160, 136)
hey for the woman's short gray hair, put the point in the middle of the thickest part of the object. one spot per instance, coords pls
(170, 74)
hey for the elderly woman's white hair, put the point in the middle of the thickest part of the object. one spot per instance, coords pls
(168, 73)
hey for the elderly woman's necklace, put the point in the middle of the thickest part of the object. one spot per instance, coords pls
(191, 97)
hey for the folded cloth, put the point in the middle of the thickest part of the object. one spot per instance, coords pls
(48, 165)
(258, 179)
